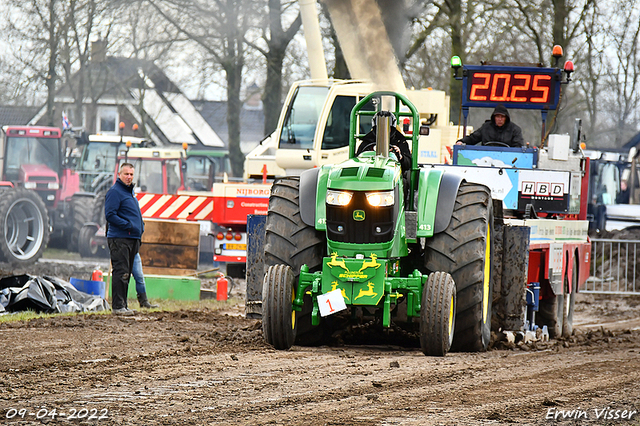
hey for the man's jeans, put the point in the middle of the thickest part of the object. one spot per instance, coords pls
(123, 251)
(138, 276)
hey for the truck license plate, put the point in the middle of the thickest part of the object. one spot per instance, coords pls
(235, 246)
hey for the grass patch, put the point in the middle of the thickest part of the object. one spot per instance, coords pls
(165, 305)
(58, 253)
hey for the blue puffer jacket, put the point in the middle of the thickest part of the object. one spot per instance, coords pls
(122, 211)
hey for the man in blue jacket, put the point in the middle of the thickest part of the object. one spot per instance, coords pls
(125, 228)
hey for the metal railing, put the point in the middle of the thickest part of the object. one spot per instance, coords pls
(614, 267)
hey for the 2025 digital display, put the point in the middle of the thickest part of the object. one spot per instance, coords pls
(516, 87)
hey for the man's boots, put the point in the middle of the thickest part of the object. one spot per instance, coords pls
(144, 302)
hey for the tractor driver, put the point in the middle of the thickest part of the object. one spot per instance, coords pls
(397, 143)
(499, 128)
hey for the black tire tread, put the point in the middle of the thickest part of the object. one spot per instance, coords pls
(289, 241)
(277, 307)
(435, 306)
(459, 250)
(85, 209)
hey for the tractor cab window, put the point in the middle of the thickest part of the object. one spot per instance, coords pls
(148, 176)
(607, 183)
(200, 173)
(31, 151)
(336, 132)
(302, 117)
(173, 176)
(96, 166)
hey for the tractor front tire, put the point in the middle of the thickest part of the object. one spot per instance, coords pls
(86, 208)
(464, 250)
(289, 241)
(278, 317)
(24, 226)
(437, 314)
(89, 245)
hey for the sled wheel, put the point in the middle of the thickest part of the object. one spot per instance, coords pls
(550, 314)
(464, 250)
(437, 314)
(278, 317)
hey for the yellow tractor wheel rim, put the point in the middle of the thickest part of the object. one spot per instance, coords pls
(293, 311)
(487, 276)
(451, 314)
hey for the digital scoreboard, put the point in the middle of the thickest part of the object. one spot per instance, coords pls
(514, 87)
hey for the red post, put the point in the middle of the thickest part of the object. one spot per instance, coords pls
(221, 288)
(264, 173)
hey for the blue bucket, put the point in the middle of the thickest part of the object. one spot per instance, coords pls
(96, 288)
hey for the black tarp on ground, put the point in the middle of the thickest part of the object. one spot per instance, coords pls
(45, 294)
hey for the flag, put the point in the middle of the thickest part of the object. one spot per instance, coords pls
(65, 121)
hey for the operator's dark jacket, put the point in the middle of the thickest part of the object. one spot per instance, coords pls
(122, 211)
(395, 138)
(510, 133)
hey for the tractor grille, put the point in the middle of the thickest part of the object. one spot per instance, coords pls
(377, 227)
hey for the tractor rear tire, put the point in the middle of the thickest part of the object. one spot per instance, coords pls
(465, 250)
(437, 314)
(279, 324)
(289, 241)
(24, 226)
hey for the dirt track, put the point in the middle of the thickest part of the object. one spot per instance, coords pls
(212, 367)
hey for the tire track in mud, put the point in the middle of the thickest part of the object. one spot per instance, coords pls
(472, 387)
(206, 368)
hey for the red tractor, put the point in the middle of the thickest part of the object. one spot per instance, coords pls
(36, 189)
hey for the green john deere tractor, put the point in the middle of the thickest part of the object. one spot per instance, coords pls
(387, 246)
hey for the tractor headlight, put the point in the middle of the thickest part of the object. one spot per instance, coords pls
(338, 198)
(380, 199)
(30, 185)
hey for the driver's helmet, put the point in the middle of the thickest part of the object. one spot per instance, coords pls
(374, 120)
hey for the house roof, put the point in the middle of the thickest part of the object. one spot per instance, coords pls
(129, 82)
(115, 77)
(251, 122)
(634, 141)
(16, 115)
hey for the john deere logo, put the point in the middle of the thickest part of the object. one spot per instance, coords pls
(358, 215)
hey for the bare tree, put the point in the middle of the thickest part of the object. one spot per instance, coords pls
(277, 40)
(623, 83)
(590, 57)
(39, 25)
(219, 27)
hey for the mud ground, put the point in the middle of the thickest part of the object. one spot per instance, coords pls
(206, 367)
